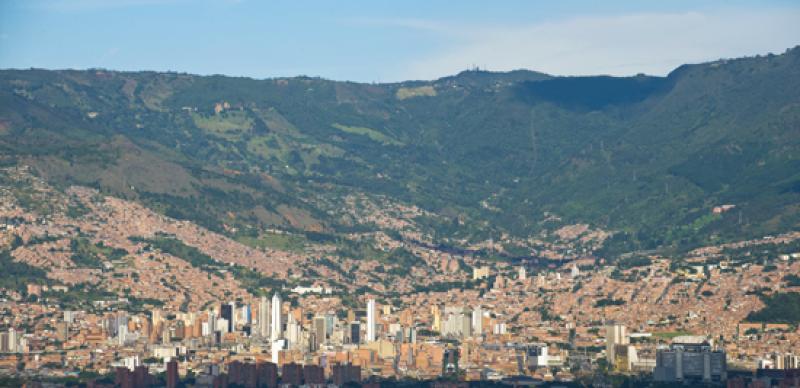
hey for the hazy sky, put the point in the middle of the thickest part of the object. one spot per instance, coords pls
(389, 40)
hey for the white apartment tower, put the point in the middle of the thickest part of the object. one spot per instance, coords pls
(371, 320)
(276, 318)
(263, 317)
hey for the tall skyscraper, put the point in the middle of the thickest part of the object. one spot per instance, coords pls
(247, 317)
(319, 331)
(371, 320)
(212, 323)
(232, 327)
(276, 318)
(226, 313)
(293, 332)
(263, 317)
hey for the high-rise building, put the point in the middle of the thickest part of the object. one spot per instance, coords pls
(522, 274)
(480, 272)
(172, 374)
(267, 374)
(615, 335)
(785, 361)
(477, 321)
(69, 316)
(212, 324)
(3, 342)
(313, 376)
(346, 373)
(276, 318)
(292, 374)
(233, 321)
(276, 348)
(222, 325)
(319, 331)
(371, 320)
(226, 313)
(141, 377)
(458, 322)
(690, 359)
(437, 318)
(355, 332)
(293, 332)
(263, 317)
(466, 324)
(330, 324)
(12, 340)
(247, 316)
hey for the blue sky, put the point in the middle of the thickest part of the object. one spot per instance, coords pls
(383, 41)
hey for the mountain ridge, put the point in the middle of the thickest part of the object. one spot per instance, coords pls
(490, 153)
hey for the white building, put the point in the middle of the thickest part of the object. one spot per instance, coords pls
(276, 318)
(371, 320)
(477, 321)
(263, 317)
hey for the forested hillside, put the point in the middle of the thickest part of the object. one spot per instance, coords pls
(487, 153)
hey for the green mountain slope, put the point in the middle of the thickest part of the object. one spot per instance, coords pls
(490, 153)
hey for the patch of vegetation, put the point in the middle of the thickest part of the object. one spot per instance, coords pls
(80, 296)
(88, 255)
(226, 124)
(792, 280)
(419, 91)
(668, 335)
(632, 262)
(77, 210)
(779, 308)
(368, 132)
(608, 302)
(16, 275)
(180, 250)
(256, 282)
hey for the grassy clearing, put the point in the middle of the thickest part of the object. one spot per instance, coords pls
(227, 125)
(421, 91)
(368, 132)
(668, 335)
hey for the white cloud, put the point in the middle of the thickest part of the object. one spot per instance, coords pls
(652, 43)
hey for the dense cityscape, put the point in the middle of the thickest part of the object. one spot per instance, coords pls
(169, 321)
